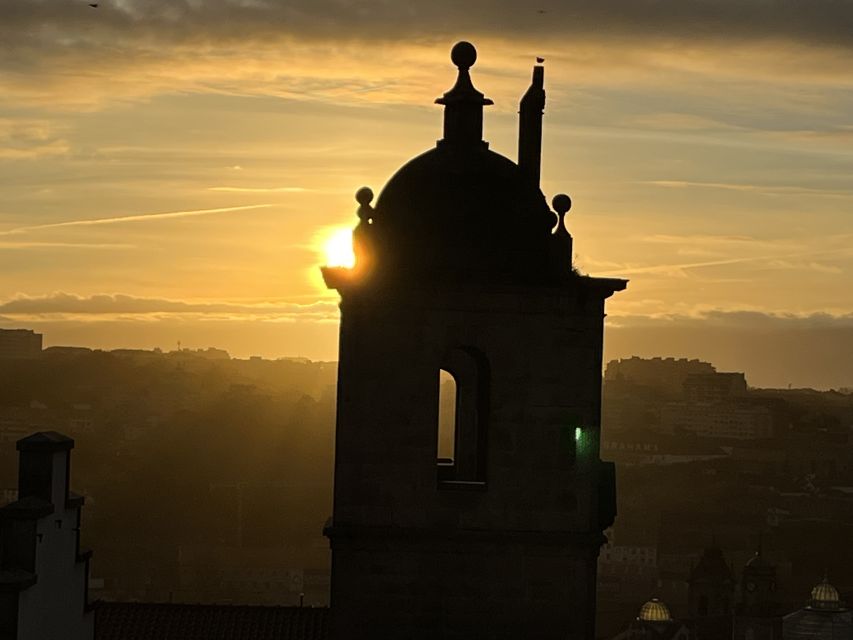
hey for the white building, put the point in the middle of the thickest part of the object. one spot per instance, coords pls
(43, 573)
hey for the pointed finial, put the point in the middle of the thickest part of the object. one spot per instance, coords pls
(463, 104)
(463, 55)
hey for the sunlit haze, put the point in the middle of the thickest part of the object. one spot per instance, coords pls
(179, 172)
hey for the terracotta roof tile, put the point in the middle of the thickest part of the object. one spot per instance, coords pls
(166, 621)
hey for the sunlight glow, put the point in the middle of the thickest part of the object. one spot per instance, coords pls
(338, 249)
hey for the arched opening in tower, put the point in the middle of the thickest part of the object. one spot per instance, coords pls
(447, 405)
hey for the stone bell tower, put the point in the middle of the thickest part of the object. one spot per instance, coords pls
(463, 268)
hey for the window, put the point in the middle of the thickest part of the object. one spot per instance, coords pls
(463, 405)
(447, 402)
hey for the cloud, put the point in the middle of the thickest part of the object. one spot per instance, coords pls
(711, 251)
(771, 190)
(374, 51)
(774, 349)
(143, 217)
(127, 306)
(213, 21)
(260, 189)
(23, 138)
(65, 245)
(667, 121)
(743, 319)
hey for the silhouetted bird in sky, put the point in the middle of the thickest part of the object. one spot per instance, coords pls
(94, 5)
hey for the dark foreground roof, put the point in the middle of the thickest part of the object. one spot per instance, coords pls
(152, 621)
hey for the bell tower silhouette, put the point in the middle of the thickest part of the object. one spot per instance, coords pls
(462, 267)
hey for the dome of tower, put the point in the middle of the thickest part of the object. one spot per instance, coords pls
(825, 595)
(654, 611)
(463, 210)
(460, 209)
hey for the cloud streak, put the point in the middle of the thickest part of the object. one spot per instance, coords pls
(743, 319)
(260, 189)
(23, 139)
(144, 217)
(127, 306)
(772, 190)
(65, 245)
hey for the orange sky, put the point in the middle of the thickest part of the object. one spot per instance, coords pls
(171, 171)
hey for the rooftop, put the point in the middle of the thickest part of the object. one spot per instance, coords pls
(168, 621)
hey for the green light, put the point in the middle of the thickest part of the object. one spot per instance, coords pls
(578, 434)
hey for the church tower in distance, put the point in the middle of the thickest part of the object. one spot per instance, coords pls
(462, 268)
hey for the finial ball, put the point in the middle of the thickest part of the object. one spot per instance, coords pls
(561, 203)
(364, 196)
(463, 55)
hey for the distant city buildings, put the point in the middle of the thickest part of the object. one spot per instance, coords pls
(249, 575)
(656, 397)
(724, 419)
(19, 344)
(665, 374)
(700, 456)
(825, 617)
(677, 489)
(723, 608)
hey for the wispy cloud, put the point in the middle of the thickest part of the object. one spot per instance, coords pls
(773, 190)
(127, 306)
(324, 49)
(742, 319)
(697, 238)
(260, 189)
(681, 268)
(64, 245)
(668, 121)
(143, 217)
(26, 138)
(765, 260)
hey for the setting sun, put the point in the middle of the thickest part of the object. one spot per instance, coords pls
(338, 249)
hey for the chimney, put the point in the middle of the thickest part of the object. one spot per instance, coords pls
(530, 127)
(44, 467)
